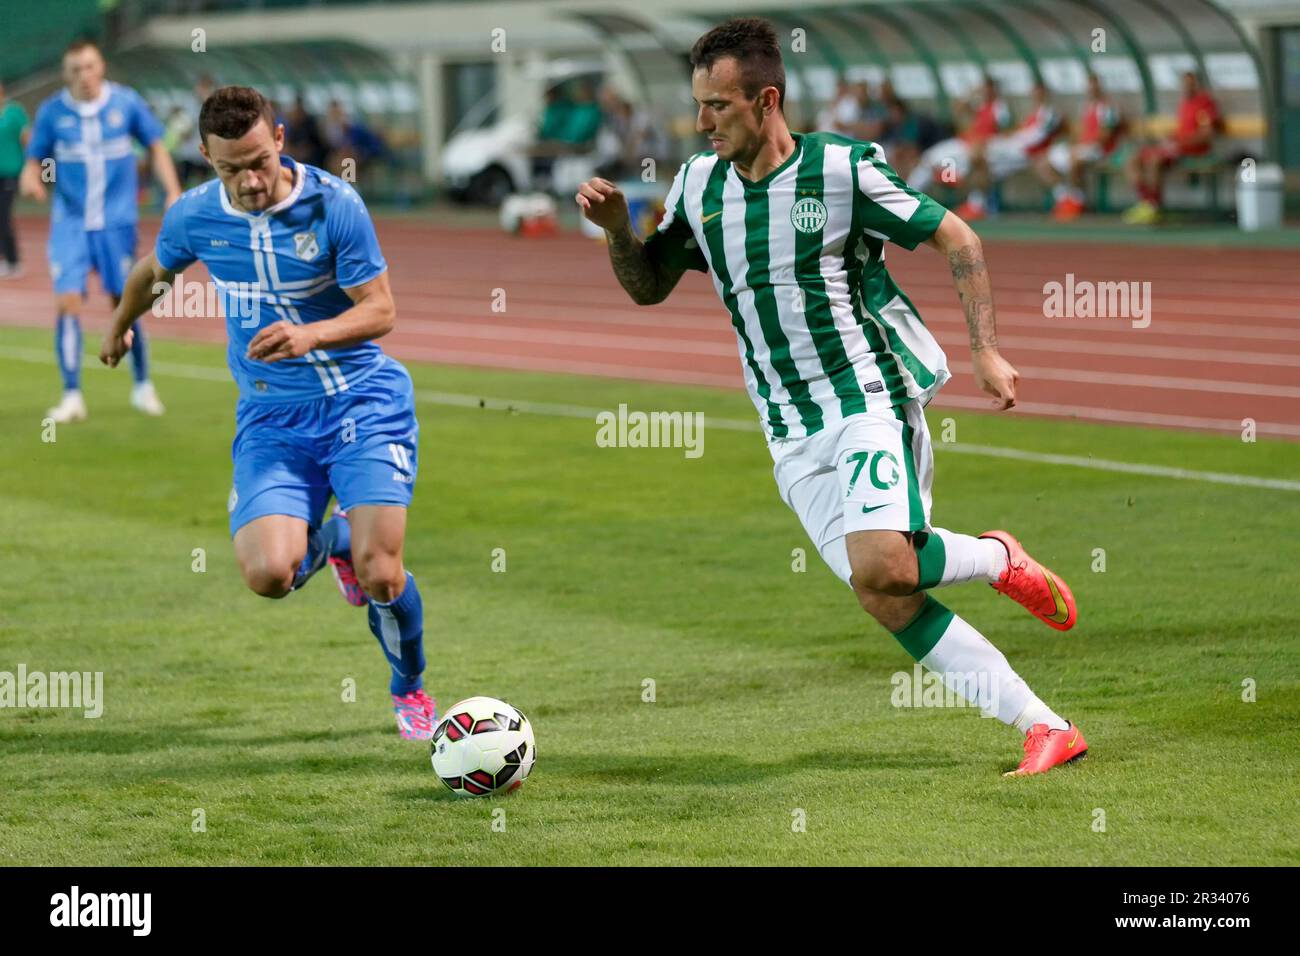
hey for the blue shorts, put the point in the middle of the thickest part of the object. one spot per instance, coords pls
(73, 252)
(361, 444)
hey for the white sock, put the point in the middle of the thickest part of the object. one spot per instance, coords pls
(967, 558)
(1060, 191)
(1036, 712)
(971, 666)
(976, 198)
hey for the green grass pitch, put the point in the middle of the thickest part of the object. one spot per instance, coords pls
(772, 688)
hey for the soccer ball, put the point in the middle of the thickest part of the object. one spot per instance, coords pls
(483, 746)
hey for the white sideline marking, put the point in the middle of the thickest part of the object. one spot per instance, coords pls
(457, 400)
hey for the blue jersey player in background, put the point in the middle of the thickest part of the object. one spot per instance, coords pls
(321, 408)
(87, 131)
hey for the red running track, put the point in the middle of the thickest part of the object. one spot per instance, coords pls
(1223, 342)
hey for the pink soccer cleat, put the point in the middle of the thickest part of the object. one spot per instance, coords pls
(345, 576)
(1034, 587)
(417, 714)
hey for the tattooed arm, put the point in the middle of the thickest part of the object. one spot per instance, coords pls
(645, 280)
(993, 374)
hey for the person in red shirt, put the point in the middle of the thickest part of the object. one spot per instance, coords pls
(1000, 157)
(949, 159)
(1063, 166)
(1198, 124)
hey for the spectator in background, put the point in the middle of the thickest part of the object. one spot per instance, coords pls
(350, 139)
(986, 116)
(584, 118)
(1064, 166)
(628, 136)
(1199, 123)
(843, 114)
(13, 137)
(569, 125)
(190, 164)
(303, 138)
(1000, 157)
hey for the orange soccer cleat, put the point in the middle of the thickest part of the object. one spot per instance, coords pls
(1067, 209)
(971, 212)
(1034, 587)
(1046, 748)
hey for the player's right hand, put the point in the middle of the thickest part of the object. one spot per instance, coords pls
(604, 204)
(31, 187)
(114, 347)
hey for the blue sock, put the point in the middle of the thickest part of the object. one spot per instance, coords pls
(67, 349)
(399, 626)
(332, 539)
(139, 355)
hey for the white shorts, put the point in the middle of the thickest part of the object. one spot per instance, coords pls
(1059, 154)
(1006, 156)
(869, 472)
(948, 154)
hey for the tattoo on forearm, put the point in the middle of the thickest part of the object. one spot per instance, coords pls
(972, 278)
(642, 279)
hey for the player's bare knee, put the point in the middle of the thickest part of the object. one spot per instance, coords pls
(894, 572)
(268, 577)
(380, 573)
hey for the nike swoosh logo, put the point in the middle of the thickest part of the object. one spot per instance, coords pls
(865, 509)
(1062, 612)
(1072, 742)
(712, 215)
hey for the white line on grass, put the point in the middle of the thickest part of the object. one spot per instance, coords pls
(455, 399)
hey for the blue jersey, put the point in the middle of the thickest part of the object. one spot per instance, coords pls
(94, 162)
(290, 262)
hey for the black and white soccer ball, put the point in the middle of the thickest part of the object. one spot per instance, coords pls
(483, 746)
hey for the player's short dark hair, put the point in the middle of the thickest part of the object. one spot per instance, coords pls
(232, 111)
(752, 42)
(82, 43)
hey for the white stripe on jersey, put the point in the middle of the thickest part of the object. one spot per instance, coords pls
(96, 174)
(876, 186)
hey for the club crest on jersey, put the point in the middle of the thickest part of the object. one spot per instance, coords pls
(808, 214)
(304, 246)
(115, 118)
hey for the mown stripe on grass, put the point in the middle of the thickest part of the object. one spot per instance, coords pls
(212, 374)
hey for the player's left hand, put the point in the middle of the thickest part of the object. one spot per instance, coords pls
(996, 376)
(281, 341)
(115, 346)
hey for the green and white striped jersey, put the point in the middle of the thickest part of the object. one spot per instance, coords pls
(798, 260)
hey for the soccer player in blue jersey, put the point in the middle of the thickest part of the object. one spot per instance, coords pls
(321, 408)
(87, 131)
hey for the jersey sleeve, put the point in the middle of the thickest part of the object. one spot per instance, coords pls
(887, 207)
(172, 249)
(41, 145)
(145, 127)
(673, 243)
(357, 257)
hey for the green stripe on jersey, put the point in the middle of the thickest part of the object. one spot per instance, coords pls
(808, 248)
(758, 278)
(711, 205)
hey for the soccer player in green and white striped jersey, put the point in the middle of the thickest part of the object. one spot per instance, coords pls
(792, 228)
